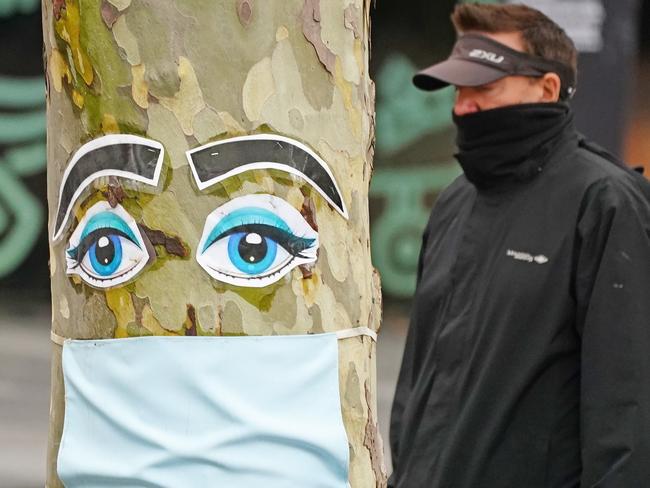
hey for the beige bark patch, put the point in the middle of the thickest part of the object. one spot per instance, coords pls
(97, 319)
(157, 25)
(150, 323)
(308, 287)
(168, 308)
(188, 101)
(339, 39)
(163, 126)
(207, 319)
(284, 311)
(331, 123)
(232, 319)
(255, 322)
(67, 140)
(353, 20)
(346, 90)
(232, 126)
(304, 321)
(126, 40)
(354, 370)
(207, 124)
(58, 69)
(281, 34)
(120, 4)
(52, 262)
(296, 120)
(64, 309)
(258, 88)
(139, 86)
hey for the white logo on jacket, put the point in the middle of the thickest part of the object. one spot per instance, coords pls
(527, 257)
(492, 57)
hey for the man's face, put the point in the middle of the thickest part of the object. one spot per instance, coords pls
(511, 90)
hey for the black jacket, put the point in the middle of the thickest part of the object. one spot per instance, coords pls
(527, 362)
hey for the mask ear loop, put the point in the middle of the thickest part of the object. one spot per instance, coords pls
(57, 339)
(356, 332)
(340, 334)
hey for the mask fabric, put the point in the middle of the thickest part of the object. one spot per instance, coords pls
(509, 144)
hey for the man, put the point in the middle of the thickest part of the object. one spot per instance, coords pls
(527, 363)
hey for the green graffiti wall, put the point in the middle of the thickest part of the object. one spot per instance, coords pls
(405, 116)
(22, 145)
(415, 136)
(22, 134)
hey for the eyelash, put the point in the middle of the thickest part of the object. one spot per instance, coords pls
(93, 236)
(292, 243)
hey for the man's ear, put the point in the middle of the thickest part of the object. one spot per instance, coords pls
(551, 85)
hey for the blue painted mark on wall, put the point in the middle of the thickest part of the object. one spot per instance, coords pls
(405, 115)
(22, 137)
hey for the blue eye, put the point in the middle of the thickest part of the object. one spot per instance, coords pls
(106, 249)
(255, 245)
(250, 252)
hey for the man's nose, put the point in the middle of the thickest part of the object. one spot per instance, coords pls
(465, 101)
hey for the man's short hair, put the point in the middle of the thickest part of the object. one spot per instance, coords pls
(542, 37)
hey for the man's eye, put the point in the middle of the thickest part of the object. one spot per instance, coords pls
(255, 240)
(106, 249)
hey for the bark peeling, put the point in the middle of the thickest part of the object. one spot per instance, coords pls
(245, 11)
(110, 13)
(188, 101)
(311, 27)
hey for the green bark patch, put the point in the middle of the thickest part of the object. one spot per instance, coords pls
(159, 28)
(113, 74)
(260, 298)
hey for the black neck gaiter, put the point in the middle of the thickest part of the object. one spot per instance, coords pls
(509, 144)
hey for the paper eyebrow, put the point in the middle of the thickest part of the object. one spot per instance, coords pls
(121, 155)
(217, 161)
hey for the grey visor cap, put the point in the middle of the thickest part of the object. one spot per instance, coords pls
(459, 72)
(477, 59)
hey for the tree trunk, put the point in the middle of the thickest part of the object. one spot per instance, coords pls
(185, 73)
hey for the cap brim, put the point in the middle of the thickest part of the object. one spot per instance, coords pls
(459, 72)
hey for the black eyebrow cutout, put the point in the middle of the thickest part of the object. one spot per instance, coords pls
(121, 155)
(217, 161)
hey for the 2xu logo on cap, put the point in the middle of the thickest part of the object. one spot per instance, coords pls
(492, 57)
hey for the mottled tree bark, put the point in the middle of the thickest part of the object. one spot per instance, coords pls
(186, 72)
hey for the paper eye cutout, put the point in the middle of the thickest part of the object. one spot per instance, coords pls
(106, 249)
(255, 240)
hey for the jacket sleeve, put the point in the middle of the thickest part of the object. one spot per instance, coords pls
(404, 381)
(612, 291)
